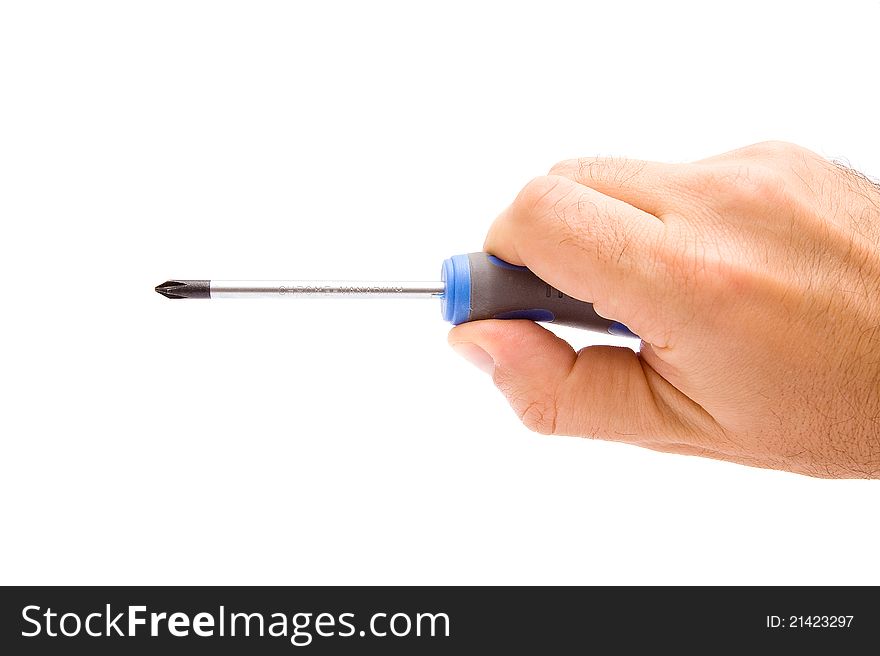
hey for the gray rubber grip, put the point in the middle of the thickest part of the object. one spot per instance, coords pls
(503, 291)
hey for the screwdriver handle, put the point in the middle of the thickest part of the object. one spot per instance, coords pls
(481, 286)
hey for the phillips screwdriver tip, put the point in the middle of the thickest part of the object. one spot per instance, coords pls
(185, 289)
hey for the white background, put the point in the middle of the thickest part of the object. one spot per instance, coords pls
(150, 441)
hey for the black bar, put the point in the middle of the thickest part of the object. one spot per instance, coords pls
(540, 620)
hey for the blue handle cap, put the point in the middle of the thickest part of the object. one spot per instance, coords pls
(455, 304)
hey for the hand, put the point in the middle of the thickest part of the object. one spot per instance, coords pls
(753, 279)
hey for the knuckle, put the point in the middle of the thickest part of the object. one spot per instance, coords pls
(536, 409)
(771, 149)
(742, 185)
(539, 416)
(568, 168)
(761, 184)
(540, 194)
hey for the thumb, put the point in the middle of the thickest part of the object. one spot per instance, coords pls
(603, 392)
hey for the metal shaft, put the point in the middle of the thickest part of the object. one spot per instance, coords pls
(325, 289)
(300, 289)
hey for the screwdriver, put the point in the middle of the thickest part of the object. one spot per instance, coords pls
(472, 287)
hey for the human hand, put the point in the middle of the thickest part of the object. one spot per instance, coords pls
(753, 279)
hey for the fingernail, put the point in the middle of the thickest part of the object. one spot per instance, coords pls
(475, 355)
